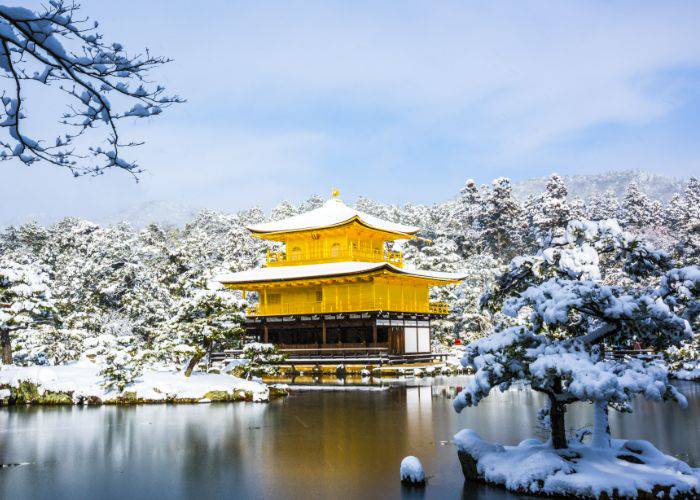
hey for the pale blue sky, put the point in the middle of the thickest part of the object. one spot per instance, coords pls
(398, 101)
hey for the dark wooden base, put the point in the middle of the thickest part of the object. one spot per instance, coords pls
(366, 329)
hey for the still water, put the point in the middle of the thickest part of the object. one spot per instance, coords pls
(342, 444)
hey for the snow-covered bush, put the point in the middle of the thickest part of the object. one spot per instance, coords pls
(47, 345)
(261, 360)
(122, 365)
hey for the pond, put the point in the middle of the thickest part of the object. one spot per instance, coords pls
(340, 444)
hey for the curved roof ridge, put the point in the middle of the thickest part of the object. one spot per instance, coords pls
(332, 213)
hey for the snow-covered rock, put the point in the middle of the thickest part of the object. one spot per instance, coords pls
(412, 471)
(624, 469)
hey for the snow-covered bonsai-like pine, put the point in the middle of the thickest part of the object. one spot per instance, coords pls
(208, 315)
(568, 318)
(25, 301)
(261, 360)
(57, 47)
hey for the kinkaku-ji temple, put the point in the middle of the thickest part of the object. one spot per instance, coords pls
(335, 286)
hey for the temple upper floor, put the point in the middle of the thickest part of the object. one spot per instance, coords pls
(334, 245)
(333, 232)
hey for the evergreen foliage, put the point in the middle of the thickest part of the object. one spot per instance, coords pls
(156, 278)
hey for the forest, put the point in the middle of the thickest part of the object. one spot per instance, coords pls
(76, 288)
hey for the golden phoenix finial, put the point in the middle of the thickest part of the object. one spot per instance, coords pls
(335, 193)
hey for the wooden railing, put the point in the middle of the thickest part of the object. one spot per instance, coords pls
(377, 304)
(439, 308)
(334, 255)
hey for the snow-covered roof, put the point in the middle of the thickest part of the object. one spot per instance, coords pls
(285, 273)
(332, 213)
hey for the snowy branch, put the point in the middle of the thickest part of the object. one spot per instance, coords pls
(54, 48)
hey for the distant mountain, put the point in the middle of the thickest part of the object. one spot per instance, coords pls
(656, 186)
(174, 214)
(165, 213)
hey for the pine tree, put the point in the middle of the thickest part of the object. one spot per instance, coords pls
(686, 222)
(207, 315)
(502, 220)
(25, 301)
(116, 349)
(550, 212)
(567, 316)
(637, 209)
(283, 211)
(603, 206)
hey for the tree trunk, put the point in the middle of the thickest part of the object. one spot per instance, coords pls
(6, 347)
(557, 413)
(601, 427)
(194, 361)
(197, 358)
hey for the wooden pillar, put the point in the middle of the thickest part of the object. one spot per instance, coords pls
(323, 331)
(374, 333)
(265, 333)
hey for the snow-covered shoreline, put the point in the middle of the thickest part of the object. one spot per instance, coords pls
(626, 469)
(80, 383)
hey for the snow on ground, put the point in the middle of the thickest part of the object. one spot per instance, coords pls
(535, 467)
(83, 381)
(689, 371)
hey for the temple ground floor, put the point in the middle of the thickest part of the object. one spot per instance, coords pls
(371, 333)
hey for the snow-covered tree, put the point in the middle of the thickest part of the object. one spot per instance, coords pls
(25, 301)
(637, 209)
(551, 211)
(207, 315)
(283, 211)
(502, 219)
(117, 350)
(567, 317)
(47, 344)
(465, 320)
(57, 47)
(682, 216)
(602, 206)
(313, 202)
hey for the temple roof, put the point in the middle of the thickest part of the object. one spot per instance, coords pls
(332, 213)
(289, 273)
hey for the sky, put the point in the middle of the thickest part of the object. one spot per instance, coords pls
(396, 101)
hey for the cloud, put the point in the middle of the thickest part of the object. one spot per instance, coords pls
(403, 101)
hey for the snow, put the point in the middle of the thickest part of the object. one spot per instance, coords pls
(332, 213)
(412, 470)
(536, 467)
(83, 380)
(283, 273)
(689, 371)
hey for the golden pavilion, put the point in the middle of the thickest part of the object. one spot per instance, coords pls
(336, 284)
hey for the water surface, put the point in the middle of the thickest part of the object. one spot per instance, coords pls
(343, 444)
